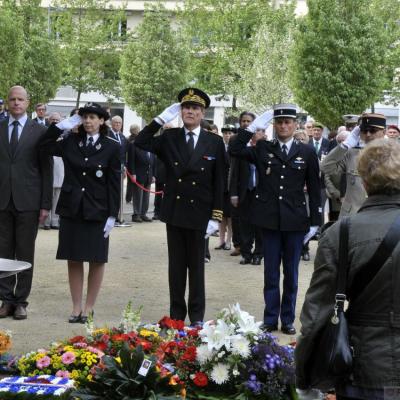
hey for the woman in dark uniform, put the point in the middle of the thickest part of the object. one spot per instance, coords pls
(89, 199)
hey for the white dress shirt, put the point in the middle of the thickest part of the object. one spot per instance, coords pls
(95, 138)
(288, 144)
(196, 133)
(21, 124)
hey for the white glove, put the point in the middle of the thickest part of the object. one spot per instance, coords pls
(352, 139)
(261, 122)
(211, 228)
(310, 234)
(108, 226)
(69, 123)
(170, 113)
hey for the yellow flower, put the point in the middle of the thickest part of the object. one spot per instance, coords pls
(147, 333)
(74, 374)
(89, 377)
(118, 360)
(101, 331)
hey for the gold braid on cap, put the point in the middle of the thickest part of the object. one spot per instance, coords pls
(217, 215)
(193, 98)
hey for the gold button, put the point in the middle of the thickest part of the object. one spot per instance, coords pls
(86, 159)
(178, 197)
(193, 183)
(175, 163)
(179, 180)
(283, 166)
(83, 173)
(192, 201)
(280, 197)
(256, 196)
(298, 168)
(202, 168)
(282, 176)
(83, 189)
(281, 187)
(269, 162)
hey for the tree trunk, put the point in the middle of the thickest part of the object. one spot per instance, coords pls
(78, 99)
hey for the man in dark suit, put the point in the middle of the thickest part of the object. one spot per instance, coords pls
(40, 110)
(141, 165)
(116, 133)
(25, 198)
(284, 167)
(193, 196)
(242, 188)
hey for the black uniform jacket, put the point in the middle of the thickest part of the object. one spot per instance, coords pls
(279, 202)
(92, 180)
(193, 192)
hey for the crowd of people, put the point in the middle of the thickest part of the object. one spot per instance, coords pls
(264, 197)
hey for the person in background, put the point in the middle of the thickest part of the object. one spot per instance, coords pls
(3, 112)
(89, 201)
(225, 226)
(309, 128)
(301, 136)
(214, 129)
(53, 220)
(40, 110)
(371, 314)
(134, 131)
(393, 132)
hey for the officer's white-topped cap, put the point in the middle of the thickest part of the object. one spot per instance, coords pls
(351, 118)
(285, 111)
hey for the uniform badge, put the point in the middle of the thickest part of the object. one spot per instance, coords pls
(270, 155)
(99, 173)
(299, 160)
(80, 144)
(268, 171)
(98, 146)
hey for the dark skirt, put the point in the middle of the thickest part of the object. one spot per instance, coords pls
(81, 240)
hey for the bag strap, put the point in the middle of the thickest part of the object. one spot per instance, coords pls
(383, 252)
(343, 256)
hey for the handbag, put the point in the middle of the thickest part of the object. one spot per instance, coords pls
(333, 355)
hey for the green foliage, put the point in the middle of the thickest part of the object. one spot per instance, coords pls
(218, 34)
(121, 381)
(10, 50)
(89, 47)
(41, 66)
(265, 70)
(153, 64)
(338, 57)
(388, 11)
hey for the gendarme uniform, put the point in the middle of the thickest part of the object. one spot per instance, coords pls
(279, 208)
(342, 160)
(90, 192)
(193, 194)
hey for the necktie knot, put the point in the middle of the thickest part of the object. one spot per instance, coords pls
(15, 123)
(90, 141)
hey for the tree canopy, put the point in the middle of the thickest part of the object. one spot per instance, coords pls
(337, 64)
(153, 65)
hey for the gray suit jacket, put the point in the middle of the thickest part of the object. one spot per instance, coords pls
(27, 177)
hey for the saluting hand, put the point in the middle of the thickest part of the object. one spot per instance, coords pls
(170, 113)
(69, 123)
(261, 122)
(352, 139)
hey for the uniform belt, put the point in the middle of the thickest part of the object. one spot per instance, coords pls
(389, 320)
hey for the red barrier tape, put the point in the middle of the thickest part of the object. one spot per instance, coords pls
(133, 180)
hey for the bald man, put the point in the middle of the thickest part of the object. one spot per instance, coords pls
(25, 198)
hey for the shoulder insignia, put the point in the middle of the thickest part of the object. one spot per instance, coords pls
(270, 155)
(59, 139)
(114, 140)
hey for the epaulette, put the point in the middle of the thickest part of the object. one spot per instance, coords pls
(115, 140)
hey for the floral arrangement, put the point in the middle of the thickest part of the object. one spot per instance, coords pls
(228, 357)
(5, 341)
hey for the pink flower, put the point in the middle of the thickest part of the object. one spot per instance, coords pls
(62, 374)
(43, 362)
(95, 351)
(80, 345)
(68, 357)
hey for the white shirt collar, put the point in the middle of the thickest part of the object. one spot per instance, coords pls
(21, 121)
(95, 137)
(288, 144)
(196, 131)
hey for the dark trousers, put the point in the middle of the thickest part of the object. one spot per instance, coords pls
(18, 231)
(286, 247)
(250, 234)
(236, 237)
(158, 198)
(207, 250)
(129, 190)
(140, 200)
(186, 254)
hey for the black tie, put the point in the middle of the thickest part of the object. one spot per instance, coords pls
(14, 138)
(190, 143)
(284, 150)
(90, 142)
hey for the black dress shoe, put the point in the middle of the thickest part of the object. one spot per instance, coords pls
(6, 310)
(269, 328)
(84, 318)
(145, 218)
(245, 261)
(75, 319)
(288, 329)
(55, 227)
(256, 260)
(46, 228)
(220, 247)
(196, 324)
(136, 218)
(306, 256)
(20, 312)
(156, 217)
